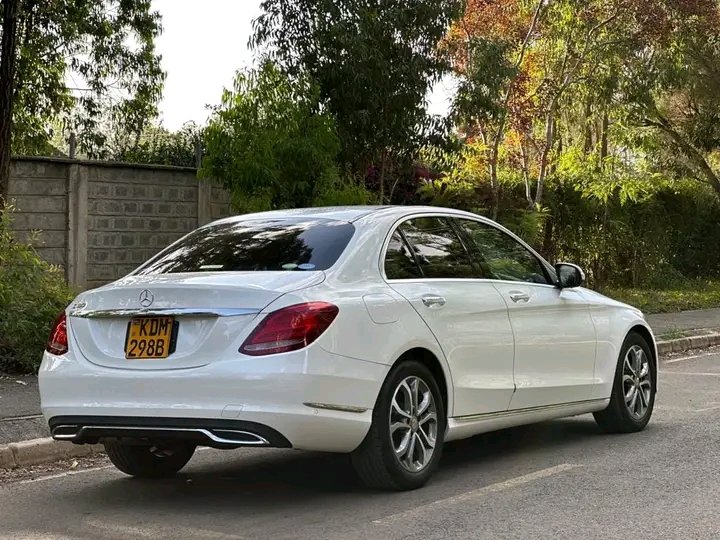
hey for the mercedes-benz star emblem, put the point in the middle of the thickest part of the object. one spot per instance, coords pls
(146, 298)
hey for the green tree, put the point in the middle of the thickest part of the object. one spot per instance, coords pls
(159, 146)
(105, 48)
(373, 62)
(269, 144)
(671, 85)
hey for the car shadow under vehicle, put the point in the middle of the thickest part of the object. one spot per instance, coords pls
(279, 477)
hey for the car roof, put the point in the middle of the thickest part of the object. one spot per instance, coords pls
(342, 213)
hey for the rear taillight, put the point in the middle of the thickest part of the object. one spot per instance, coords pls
(290, 328)
(58, 342)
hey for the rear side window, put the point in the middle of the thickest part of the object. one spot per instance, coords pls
(438, 250)
(399, 262)
(256, 246)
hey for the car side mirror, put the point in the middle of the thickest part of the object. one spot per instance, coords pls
(569, 275)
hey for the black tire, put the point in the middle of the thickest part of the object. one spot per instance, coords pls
(617, 418)
(374, 460)
(149, 461)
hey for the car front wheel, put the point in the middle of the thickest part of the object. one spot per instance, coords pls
(149, 461)
(404, 444)
(633, 393)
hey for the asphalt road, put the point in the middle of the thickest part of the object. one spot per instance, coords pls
(561, 479)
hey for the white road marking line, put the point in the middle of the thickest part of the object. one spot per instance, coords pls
(26, 535)
(155, 531)
(715, 406)
(690, 373)
(64, 474)
(688, 358)
(468, 496)
(15, 418)
(686, 410)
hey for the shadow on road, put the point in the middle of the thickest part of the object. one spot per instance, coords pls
(275, 479)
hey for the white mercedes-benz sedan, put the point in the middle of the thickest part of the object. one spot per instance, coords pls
(379, 331)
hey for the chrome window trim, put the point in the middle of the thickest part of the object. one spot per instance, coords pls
(459, 215)
(478, 280)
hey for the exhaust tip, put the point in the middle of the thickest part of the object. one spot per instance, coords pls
(66, 433)
(238, 437)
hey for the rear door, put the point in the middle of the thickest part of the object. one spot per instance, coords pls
(429, 265)
(554, 333)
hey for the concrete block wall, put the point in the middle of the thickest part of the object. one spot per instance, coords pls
(100, 220)
(38, 191)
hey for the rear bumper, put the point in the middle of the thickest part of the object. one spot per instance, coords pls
(309, 399)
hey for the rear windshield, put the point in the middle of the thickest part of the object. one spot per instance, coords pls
(285, 245)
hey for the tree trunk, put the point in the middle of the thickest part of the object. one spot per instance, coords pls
(7, 80)
(492, 165)
(526, 170)
(381, 179)
(587, 147)
(494, 187)
(604, 139)
(544, 158)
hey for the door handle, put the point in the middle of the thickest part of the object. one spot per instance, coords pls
(431, 300)
(518, 296)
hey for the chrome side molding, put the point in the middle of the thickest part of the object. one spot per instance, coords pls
(166, 312)
(539, 408)
(331, 407)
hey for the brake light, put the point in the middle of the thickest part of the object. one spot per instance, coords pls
(290, 328)
(58, 342)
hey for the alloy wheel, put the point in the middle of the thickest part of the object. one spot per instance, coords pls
(413, 424)
(636, 382)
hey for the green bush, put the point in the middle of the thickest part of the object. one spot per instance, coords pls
(694, 294)
(32, 294)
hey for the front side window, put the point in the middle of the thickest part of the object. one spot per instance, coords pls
(501, 256)
(437, 248)
(256, 246)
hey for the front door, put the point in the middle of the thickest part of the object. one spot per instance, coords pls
(429, 265)
(554, 333)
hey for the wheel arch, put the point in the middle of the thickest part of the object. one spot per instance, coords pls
(647, 335)
(430, 360)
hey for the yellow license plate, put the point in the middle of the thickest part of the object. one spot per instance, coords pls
(149, 337)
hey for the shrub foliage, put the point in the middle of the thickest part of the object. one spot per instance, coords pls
(32, 294)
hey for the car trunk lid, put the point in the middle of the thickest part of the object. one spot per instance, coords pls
(211, 311)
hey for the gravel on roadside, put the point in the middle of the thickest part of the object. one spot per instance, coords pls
(690, 352)
(8, 476)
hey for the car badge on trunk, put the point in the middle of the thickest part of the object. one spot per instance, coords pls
(146, 298)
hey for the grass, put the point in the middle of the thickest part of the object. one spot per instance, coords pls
(697, 295)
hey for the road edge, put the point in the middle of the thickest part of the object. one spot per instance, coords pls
(42, 451)
(686, 343)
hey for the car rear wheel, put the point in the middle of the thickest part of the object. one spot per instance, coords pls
(633, 394)
(148, 460)
(403, 447)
